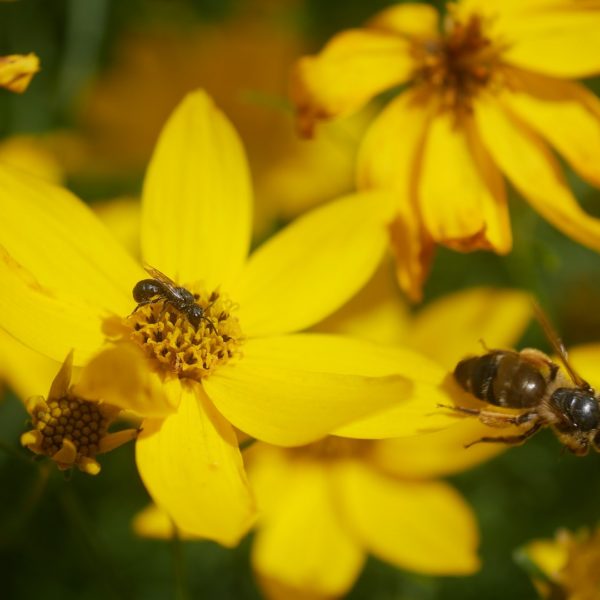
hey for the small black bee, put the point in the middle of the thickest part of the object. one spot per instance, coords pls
(161, 287)
(532, 382)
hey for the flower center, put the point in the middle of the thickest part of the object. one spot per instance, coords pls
(182, 343)
(81, 422)
(460, 64)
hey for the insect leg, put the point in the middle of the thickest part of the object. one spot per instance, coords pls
(510, 439)
(144, 303)
(494, 418)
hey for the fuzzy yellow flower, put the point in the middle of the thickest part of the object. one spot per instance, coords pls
(488, 88)
(17, 70)
(569, 565)
(67, 284)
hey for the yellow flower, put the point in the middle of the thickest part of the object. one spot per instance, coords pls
(72, 430)
(569, 565)
(488, 90)
(67, 284)
(17, 70)
(325, 506)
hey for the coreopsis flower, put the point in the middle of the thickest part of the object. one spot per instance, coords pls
(488, 89)
(325, 506)
(17, 70)
(568, 567)
(238, 362)
(72, 430)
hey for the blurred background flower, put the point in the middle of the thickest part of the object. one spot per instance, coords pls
(566, 567)
(484, 93)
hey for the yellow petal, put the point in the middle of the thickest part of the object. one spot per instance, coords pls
(549, 555)
(28, 373)
(191, 465)
(197, 201)
(586, 359)
(304, 386)
(121, 376)
(533, 170)
(29, 153)
(122, 217)
(62, 381)
(292, 390)
(152, 522)
(452, 192)
(413, 249)
(390, 152)
(46, 324)
(420, 526)
(496, 317)
(17, 70)
(302, 544)
(61, 270)
(389, 157)
(562, 43)
(314, 265)
(566, 114)
(408, 19)
(352, 68)
(439, 453)
(377, 313)
(494, 205)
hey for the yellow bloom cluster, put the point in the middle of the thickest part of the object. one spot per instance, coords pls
(284, 387)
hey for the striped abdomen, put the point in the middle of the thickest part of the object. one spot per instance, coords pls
(502, 378)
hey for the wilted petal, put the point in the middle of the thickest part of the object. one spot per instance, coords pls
(528, 163)
(352, 68)
(17, 70)
(566, 114)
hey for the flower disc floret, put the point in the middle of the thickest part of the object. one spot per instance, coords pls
(167, 335)
(72, 430)
(458, 65)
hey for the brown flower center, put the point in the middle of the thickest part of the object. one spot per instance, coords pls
(193, 350)
(69, 418)
(459, 64)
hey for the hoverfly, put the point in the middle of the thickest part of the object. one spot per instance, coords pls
(532, 382)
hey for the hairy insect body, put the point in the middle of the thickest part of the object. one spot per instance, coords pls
(504, 378)
(160, 287)
(541, 391)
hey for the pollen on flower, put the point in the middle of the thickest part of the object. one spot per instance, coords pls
(72, 430)
(167, 335)
(460, 63)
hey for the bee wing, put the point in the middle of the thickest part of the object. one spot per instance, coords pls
(559, 347)
(160, 276)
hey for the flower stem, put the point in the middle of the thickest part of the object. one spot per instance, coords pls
(181, 590)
